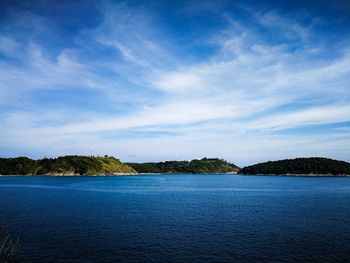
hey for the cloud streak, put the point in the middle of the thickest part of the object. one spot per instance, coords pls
(132, 92)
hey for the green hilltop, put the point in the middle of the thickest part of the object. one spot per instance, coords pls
(202, 166)
(299, 166)
(66, 165)
(84, 165)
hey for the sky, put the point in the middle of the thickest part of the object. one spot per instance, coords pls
(246, 81)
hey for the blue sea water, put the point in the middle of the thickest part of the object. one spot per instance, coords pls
(179, 218)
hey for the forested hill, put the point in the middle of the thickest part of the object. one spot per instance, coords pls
(202, 166)
(300, 166)
(84, 165)
(66, 165)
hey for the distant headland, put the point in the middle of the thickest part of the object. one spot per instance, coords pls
(66, 165)
(74, 165)
(201, 166)
(299, 166)
(108, 165)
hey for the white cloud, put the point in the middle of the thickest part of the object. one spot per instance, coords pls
(175, 82)
(8, 46)
(311, 116)
(225, 106)
(286, 26)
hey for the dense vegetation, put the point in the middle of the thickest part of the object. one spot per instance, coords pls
(83, 165)
(203, 166)
(20, 165)
(307, 166)
(68, 165)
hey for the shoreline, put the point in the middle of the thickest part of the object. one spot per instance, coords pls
(300, 175)
(137, 174)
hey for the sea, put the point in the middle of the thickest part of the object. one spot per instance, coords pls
(178, 218)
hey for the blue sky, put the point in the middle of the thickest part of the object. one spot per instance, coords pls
(246, 81)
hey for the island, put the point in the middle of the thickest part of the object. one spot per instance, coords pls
(196, 166)
(66, 165)
(108, 165)
(74, 165)
(299, 166)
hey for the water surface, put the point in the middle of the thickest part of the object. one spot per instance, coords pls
(179, 218)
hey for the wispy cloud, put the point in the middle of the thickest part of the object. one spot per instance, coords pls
(128, 79)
